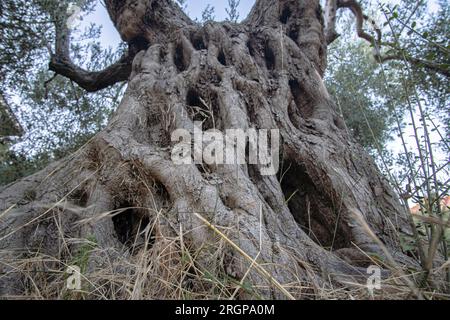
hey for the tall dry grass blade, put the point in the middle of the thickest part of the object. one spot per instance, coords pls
(257, 266)
(360, 218)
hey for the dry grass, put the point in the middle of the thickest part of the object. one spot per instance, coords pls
(166, 266)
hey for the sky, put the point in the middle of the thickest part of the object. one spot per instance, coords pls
(110, 36)
(195, 8)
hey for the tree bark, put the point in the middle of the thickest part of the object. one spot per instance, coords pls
(264, 73)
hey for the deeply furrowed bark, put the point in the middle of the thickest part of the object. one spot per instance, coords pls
(265, 73)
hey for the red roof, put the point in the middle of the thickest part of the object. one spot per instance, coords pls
(445, 205)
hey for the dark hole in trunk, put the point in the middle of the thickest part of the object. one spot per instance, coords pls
(193, 98)
(222, 59)
(312, 209)
(270, 57)
(197, 42)
(205, 112)
(293, 33)
(250, 48)
(130, 225)
(319, 13)
(180, 59)
(80, 197)
(285, 15)
(303, 101)
(139, 44)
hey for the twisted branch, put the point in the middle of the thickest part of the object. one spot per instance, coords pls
(62, 64)
(331, 35)
(148, 21)
(356, 9)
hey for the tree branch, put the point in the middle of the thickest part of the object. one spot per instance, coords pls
(10, 126)
(436, 67)
(62, 64)
(330, 21)
(93, 81)
(139, 23)
(355, 8)
(154, 20)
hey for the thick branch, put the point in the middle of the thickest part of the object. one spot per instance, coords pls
(355, 7)
(330, 21)
(61, 63)
(139, 23)
(93, 81)
(154, 20)
(436, 67)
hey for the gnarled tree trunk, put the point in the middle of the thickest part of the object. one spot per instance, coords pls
(264, 73)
